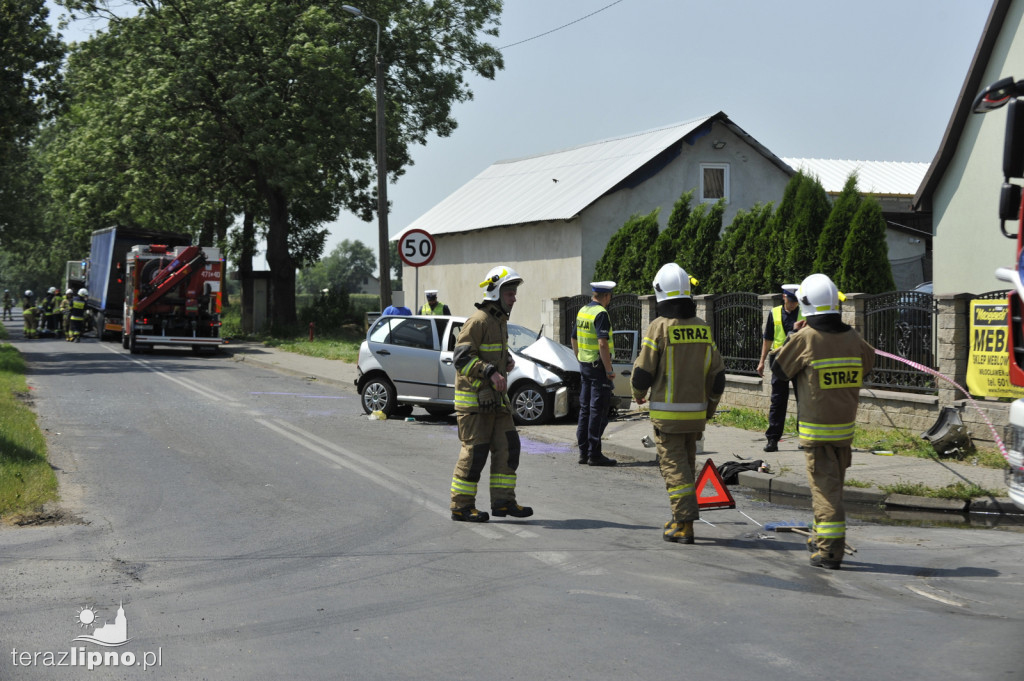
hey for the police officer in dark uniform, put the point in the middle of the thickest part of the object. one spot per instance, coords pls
(592, 342)
(776, 328)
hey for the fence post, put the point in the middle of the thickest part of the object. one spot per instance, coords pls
(705, 306)
(768, 301)
(648, 312)
(952, 343)
(853, 311)
(558, 312)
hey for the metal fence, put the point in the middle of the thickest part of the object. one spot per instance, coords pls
(736, 325)
(625, 312)
(902, 323)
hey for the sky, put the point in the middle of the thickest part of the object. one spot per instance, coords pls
(872, 80)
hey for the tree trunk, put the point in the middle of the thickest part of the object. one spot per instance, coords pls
(245, 271)
(282, 266)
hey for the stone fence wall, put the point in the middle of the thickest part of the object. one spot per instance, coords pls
(879, 408)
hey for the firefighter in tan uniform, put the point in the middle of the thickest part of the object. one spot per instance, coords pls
(681, 372)
(828, 361)
(482, 363)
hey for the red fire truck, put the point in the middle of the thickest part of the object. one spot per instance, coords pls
(1010, 93)
(172, 297)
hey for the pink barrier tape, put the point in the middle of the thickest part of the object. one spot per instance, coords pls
(936, 374)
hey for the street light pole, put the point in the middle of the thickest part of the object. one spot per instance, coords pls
(382, 169)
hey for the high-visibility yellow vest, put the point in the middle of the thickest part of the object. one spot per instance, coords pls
(780, 331)
(586, 335)
(436, 310)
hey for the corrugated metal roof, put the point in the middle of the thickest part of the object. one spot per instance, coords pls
(553, 186)
(885, 178)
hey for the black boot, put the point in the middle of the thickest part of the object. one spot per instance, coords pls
(468, 514)
(602, 460)
(511, 508)
(771, 445)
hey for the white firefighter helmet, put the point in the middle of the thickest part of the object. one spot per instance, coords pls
(671, 282)
(29, 294)
(818, 295)
(83, 292)
(69, 292)
(52, 289)
(496, 278)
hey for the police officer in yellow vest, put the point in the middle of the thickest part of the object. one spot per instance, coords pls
(433, 305)
(482, 363)
(681, 372)
(777, 327)
(591, 340)
(828, 360)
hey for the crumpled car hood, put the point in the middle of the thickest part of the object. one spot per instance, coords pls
(549, 352)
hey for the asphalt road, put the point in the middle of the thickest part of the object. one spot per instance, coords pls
(258, 526)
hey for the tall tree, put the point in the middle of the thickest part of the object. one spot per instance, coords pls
(279, 118)
(30, 92)
(739, 262)
(698, 242)
(667, 244)
(865, 267)
(837, 228)
(627, 252)
(810, 212)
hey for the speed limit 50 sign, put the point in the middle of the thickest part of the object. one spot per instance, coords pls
(416, 248)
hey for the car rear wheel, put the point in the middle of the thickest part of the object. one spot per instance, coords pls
(531, 405)
(378, 395)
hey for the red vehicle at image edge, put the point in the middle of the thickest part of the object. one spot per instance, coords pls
(1007, 92)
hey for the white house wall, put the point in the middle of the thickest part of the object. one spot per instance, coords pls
(968, 245)
(546, 254)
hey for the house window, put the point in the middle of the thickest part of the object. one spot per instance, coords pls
(714, 182)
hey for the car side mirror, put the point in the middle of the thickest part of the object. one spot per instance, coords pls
(1013, 141)
(1009, 201)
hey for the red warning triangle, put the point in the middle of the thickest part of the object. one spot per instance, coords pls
(711, 490)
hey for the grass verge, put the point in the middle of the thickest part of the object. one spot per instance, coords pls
(343, 345)
(959, 490)
(26, 479)
(896, 441)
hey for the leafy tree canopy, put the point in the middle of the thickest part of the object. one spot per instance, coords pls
(837, 227)
(667, 244)
(187, 109)
(865, 267)
(627, 253)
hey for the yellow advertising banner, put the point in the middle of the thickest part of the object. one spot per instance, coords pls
(988, 374)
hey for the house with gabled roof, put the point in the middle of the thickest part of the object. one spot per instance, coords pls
(961, 188)
(550, 216)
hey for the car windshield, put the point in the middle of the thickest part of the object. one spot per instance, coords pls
(520, 337)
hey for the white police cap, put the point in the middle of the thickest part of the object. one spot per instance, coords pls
(602, 286)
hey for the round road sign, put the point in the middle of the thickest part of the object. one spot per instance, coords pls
(416, 248)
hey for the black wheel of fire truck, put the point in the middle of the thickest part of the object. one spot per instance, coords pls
(133, 347)
(100, 323)
(124, 340)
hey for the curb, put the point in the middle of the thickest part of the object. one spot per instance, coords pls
(927, 503)
(769, 484)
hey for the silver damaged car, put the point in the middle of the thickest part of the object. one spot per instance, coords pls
(406, 362)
